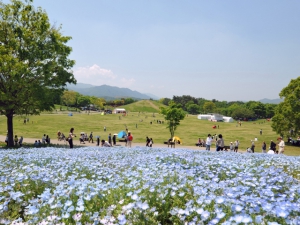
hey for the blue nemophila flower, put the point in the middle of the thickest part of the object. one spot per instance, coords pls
(134, 197)
(122, 219)
(71, 208)
(65, 215)
(220, 200)
(237, 208)
(80, 208)
(220, 215)
(214, 221)
(68, 203)
(273, 223)
(15, 195)
(31, 210)
(205, 215)
(255, 183)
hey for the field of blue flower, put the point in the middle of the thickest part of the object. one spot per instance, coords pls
(147, 186)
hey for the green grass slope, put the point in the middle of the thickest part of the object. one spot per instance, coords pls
(148, 106)
(142, 121)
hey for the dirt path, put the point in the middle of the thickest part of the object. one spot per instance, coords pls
(154, 106)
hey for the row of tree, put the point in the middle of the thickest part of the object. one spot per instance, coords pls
(235, 109)
(75, 99)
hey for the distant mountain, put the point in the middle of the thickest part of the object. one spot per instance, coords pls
(272, 101)
(79, 85)
(107, 92)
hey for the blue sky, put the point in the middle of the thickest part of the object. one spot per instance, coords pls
(225, 50)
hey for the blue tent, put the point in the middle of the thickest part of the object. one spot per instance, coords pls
(70, 114)
(121, 134)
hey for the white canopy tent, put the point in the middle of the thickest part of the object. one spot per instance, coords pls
(215, 117)
(228, 119)
(119, 110)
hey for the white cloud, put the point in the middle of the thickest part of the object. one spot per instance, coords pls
(96, 75)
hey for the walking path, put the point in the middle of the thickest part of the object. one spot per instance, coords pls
(77, 143)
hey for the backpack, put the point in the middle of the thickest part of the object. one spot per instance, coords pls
(130, 138)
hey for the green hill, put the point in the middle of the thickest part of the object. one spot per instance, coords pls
(149, 106)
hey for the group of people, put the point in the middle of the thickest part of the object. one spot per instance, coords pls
(16, 140)
(272, 148)
(234, 146)
(37, 143)
(109, 143)
(112, 140)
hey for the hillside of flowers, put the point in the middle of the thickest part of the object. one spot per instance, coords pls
(147, 186)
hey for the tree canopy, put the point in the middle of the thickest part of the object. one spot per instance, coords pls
(287, 113)
(173, 115)
(34, 64)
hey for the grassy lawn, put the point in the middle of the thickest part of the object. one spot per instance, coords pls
(140, 125)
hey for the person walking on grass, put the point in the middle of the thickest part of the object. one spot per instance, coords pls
(151, 142)
(236, 145)
(91, 137)
(21, 141)
(208, 142)
(231, 147)
(129, 139)
(252, 146)
(109, 139)
(70, 137)
(220, 143)
(147, 141)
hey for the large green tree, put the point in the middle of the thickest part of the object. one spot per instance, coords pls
(34, 62)
(242, 113)
(69, 98)
(173, 115)
(287, 113)
(209, 107)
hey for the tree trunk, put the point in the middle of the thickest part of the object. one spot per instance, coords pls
(10, 129)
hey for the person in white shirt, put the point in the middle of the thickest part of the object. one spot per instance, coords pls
(208, 142)
(281, 146)
(231, 147)
(236, 145)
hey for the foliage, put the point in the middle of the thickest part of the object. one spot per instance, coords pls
(34, 64)
(287, 113)
(165, 101)
(128, 101)
(173, 115)
(98, 102)
(83, 101)
(193, 109)
(258, 108)
(69, 98)
(209, 107)
(242, 113)
(184, 100)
